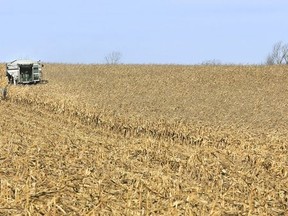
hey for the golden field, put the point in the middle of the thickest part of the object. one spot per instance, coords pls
(146, 140)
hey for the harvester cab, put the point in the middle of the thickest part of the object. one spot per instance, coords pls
(24, 72)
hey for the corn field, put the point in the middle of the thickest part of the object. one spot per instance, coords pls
(146, 140)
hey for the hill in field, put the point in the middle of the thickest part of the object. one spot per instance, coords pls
(146, 140)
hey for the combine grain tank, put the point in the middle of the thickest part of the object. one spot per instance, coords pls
(24, 71)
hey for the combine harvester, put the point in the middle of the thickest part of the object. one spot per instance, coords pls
(21, 72)
(24, 72)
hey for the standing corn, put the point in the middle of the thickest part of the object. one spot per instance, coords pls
(4, 93)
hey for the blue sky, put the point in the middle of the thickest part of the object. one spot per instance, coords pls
(158, 31)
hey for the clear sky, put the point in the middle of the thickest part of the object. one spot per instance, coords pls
(144, 31)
